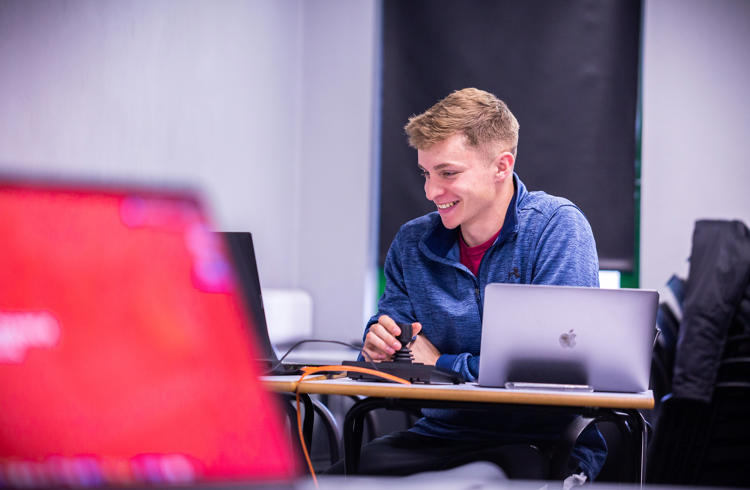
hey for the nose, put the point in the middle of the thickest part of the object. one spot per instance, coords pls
(432, 189)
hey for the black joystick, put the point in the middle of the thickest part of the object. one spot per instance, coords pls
(404, 353)
(402, 365)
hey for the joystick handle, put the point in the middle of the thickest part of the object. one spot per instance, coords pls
(404, 353)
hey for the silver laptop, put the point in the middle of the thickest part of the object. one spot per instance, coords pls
(562, 336)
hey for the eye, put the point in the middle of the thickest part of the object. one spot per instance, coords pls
(448, 173)
(424, 174)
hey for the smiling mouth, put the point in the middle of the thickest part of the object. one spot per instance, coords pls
(446, 205)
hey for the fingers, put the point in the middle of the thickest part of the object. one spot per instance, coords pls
(376, 347)
(390, 326)
(416, 327)
(372, 356)
(380, 341)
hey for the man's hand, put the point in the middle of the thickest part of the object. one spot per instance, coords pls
(381, 342)
(424, 351)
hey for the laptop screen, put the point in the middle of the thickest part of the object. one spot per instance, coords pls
(124, 348)
(566, 335)
(242, 253)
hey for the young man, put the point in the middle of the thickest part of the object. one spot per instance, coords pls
(487, 228)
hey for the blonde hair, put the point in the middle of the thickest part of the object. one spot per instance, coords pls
(482, 118)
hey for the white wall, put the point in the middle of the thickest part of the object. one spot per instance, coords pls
(268, 106)
(265, 105)
(696, 124)
(160, 91)
(337, 241)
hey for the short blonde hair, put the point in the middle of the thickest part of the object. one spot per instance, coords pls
(481, 117)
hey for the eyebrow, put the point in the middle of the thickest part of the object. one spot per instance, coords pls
(439, 166)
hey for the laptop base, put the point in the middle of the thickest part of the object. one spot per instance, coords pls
(516, 385)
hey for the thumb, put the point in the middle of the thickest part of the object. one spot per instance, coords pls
(416, 327)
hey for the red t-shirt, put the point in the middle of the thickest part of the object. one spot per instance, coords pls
(471, 257)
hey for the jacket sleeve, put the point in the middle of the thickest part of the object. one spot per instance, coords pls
(565, 254)
(466, 364)
(395, 300)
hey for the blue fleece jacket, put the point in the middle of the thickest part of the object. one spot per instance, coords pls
(544, 240)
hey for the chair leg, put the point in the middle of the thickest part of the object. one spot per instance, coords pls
(372, 422)
(332, 429)
(307, 422)
(563, 449)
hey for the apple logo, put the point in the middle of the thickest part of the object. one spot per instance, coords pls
(568, 339)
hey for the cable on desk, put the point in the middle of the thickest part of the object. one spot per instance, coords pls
(306, 371)
(346, 344)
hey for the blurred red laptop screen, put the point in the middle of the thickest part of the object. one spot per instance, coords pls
(124, 348)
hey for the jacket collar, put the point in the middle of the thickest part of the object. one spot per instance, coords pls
(439, 240)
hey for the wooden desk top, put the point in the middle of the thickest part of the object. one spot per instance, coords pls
(467, 392)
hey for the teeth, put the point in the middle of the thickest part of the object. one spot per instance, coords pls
(446, 205)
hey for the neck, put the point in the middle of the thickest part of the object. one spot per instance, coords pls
(477, 233)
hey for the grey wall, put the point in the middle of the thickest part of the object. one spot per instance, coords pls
(264, 105)
(337, 199)
(696, 123)
(268, 107)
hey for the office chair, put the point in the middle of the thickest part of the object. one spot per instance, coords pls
(312, 407)
(702, 435)
(668, 319)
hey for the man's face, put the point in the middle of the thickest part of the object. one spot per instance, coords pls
(463, 183)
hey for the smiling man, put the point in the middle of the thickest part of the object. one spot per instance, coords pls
(487, 228)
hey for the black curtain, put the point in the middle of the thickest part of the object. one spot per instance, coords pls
(567, 69)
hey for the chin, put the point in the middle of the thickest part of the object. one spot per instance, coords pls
(450, 224)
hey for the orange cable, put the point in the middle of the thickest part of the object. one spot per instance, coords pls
(317, 369)
(311, 370)
(302, 440)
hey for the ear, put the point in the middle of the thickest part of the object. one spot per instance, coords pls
(503, 165)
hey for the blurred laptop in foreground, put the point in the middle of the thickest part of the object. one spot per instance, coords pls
(125, 356)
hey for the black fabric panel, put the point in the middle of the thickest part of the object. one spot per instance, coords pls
(568, 71)
(719, 275)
